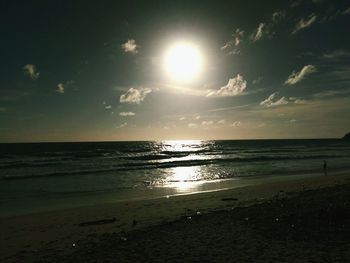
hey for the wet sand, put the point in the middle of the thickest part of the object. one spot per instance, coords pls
(277, 221)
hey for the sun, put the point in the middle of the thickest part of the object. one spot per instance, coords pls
(183, 62)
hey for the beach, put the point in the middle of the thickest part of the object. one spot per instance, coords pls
(291, 220)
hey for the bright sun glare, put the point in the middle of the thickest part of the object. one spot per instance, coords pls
(183, 62)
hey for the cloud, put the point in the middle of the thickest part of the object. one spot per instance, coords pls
(61, 87)
(297, 100)
(108, 107)
(221, 122)
(267, 30)
(124, 114)
(272, 101)
(234, 87)
(304, 23)
(335, 54)
(122, 125)
(207, 123)
(192, 125)
(236, 124)
(30, 70)
(135, 96)
(233, 44)
(130, 46)
(296, 77)
(258, 34)
(277, 16)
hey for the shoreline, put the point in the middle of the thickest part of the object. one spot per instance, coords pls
(61, 229)
(68, 201)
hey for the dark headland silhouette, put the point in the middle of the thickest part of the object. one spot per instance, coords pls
(347, 136)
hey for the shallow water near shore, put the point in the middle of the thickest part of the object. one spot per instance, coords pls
(49, 176)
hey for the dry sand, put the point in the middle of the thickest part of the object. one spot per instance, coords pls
(199, 227)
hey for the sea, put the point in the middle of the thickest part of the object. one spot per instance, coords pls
(39, 177)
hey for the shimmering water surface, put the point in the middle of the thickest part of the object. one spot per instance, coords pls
(44, 176)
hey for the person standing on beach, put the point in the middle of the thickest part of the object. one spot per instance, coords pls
(325, 167)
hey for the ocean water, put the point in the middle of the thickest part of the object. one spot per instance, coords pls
(46, 176)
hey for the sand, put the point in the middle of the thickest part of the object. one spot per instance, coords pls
(251, 223)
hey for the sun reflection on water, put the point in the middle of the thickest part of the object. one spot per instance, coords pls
(185, 178)
(182, 145)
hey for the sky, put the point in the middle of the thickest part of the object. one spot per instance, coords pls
(96, 70)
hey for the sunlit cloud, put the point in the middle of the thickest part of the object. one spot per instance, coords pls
(234, 87)
(272, 101)
(335, 54)
(296, 77)
(221, 122)
(277, 16)
(192, 125)
(304, 23)
(61, 87)
(258, 34)
(130, 46)
(108, 107)
(134, 95)
(297, 100)
(236, 124)
(207, 123)
(30, 71)
(124, 114)
(232, 45)
(122, 125)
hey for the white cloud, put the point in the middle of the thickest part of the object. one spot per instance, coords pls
(234, 87)
(335, 54)
(297, 100)
(192, 125)
(207, 123)
(130, 46)
(236, 124)
(135, 95)
(296, 77)
(272, 101)
(258, 34)
(182, 118)
(124, 114)
(60, 88)
(278, 16)
(108, 107)
(221, 122)
(237, 38)
(122, 125)
(30, 70)
(304, 23)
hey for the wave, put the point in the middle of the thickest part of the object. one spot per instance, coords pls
(170, 164)
(21, 165)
